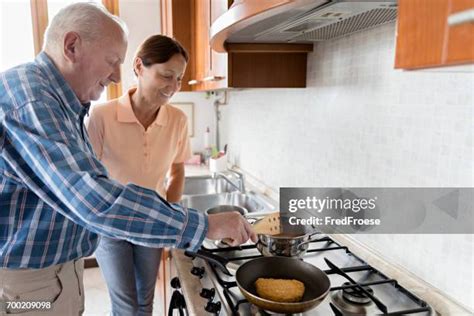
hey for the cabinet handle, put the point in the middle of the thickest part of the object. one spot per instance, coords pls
(193, 82)
(462, 17)
(214, 78)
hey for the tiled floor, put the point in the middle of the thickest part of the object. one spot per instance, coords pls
(97, 297)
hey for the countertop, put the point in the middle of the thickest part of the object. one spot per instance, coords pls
(196, 170)
(190, 284)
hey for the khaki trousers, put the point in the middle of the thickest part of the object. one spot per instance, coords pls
(61, 285)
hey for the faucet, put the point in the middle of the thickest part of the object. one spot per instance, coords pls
(240, 176)
(222, 174)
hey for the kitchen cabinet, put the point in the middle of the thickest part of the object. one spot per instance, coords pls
(177, 21)
(189, 21)
(242, 65)
(426, 39)
(211, 67)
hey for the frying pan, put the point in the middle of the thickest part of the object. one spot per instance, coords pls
(316, 282)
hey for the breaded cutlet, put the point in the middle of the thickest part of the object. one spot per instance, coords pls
(280, 290)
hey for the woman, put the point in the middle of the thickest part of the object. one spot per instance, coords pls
(139, 138)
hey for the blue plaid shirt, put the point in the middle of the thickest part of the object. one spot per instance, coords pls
(55, 196)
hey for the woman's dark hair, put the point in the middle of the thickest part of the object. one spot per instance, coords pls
(158, 49)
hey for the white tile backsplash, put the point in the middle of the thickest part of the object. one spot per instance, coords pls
(360, 122)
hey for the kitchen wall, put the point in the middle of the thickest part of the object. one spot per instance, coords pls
(134, 12)
(362, 123)
(203, 116)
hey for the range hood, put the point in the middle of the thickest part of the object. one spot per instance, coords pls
(303, 21)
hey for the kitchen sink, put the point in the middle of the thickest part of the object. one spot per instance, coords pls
(249, 201)
(206, 185)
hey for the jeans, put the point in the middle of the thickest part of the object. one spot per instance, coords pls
(130, 272)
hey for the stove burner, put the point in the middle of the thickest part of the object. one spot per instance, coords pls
(255, 311)
(348, 308)
(354, 295)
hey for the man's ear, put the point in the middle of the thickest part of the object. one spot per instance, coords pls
(71, 46)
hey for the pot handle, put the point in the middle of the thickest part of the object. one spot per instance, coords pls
(259, 241)
(302, 244)
(314, 233)
(210, 258)
(309, 240)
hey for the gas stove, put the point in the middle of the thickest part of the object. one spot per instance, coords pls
(356, 287)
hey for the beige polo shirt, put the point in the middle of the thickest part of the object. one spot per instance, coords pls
(133, 154)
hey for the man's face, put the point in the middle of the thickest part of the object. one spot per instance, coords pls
(99, 64)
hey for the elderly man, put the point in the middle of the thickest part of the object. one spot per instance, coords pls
(56, 198)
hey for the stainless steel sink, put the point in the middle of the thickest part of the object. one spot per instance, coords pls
(248, 201)
(206, 185)
(204, 192)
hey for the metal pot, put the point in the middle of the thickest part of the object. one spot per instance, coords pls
(316, 282)
(284, 245)
(292, 242)
(226, 208)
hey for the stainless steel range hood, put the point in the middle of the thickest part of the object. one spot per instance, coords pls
(316, 20)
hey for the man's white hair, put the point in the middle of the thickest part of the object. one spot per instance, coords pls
(85, 18)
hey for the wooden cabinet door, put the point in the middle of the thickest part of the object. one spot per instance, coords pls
(177, 22)
(425, 39)
(460, 37)
(211, 67)
(201, 43)
(217, 73)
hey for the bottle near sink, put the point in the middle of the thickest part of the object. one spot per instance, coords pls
(207, 146)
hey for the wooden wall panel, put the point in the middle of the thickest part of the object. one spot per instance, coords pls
(166, 17)
(39, 16)
(114, 90)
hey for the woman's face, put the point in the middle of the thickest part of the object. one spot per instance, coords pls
(159, 82)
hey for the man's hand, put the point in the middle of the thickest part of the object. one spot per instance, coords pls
(230, 225)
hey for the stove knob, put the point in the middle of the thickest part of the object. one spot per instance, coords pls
(175, 283)
(208, 293)
(198, 271)
(214, 308)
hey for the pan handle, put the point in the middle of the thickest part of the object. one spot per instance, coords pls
(211, 258)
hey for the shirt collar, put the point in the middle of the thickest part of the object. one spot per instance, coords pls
(85, 108)
(125, 112)
(60, 85)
